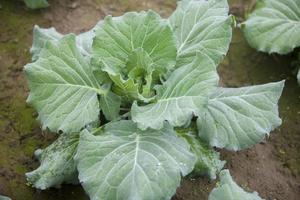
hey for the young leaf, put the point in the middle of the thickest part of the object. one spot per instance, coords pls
(208, 160)
(274, 26)
(128, 163)
(110, 105)
(42, 35)
(36, 4)
(57, 164)
(63, 87)
(202, 26)
(125, 88)
(119, 38)
(229, 190)
(182, 95)
(139, 67)
(238, 118)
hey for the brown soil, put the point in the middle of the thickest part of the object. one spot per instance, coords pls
(272, 168)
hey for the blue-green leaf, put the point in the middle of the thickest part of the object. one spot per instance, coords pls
(202, 26)
(42, 35)
(110, 105)
(125, 163)
(182, 96)
(4, 197)
(274, 26)
(229, 190)
(63, 87)
(132, 47)
(57, 164)
(238, 118)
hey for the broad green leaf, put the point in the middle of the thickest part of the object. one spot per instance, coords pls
(131, 41)
(274, 26)
(57, 164)
(238, 118)
(208, 160)
(36, 4)
(118, 37)
(63, 87)
(42, 35)
(125, 163)
(201, 26)
(229, 190)
(183, 95)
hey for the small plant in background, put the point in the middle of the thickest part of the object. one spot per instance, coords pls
(274, 27)
(137, 105)
(4, 197)
(36, 4)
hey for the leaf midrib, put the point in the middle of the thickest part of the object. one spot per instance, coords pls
(97, 90)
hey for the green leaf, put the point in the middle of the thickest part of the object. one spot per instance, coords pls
(238, 118)
(42, 35)
(36, 4)
(84, 42)
(124, 45)
(202, 26)
(4, 198)
(208, 160)
(229, 190)
(140, 67)
(110, 104)
(274, 26)
(183, 95)
(63, 87)
(57, 164)
(128, 163)
(125, 88)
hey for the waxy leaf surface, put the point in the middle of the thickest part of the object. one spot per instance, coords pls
(125, 163)
(42, 35)
(131, 47)
(181, 97)
(63, 87)
(229, 190)
(274, 26)
(238, 118)
(57, 164)
(201, 26)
